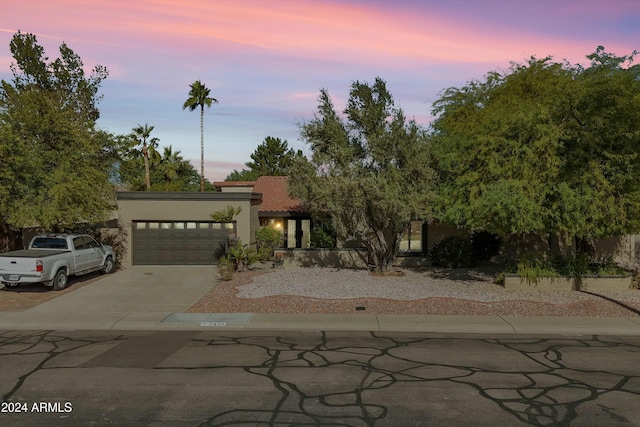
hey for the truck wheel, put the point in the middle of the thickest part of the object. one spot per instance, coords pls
(108, 266)
(60, 280)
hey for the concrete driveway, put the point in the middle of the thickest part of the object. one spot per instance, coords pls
(138, 294)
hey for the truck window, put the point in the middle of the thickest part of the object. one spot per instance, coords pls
(79, 243)
(49, 243)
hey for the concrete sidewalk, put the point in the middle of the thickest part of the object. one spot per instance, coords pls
(156, 298)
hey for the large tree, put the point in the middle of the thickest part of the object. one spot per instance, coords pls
(370, 172)
(271, 158)
(199, 98)
(545, 148)
(168, 171)
(55, 164)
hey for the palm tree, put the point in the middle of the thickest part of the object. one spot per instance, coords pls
(171, 164)
(199, 97)
(148, 145)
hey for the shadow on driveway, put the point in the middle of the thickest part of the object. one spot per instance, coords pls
(30, 295)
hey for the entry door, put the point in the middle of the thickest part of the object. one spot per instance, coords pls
(298, 233)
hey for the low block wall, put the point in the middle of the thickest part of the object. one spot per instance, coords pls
(587, 283)
(334, 258)
(340, 258)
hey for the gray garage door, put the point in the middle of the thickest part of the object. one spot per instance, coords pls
(178, 242)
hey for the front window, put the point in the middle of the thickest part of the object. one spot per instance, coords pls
(411, 240)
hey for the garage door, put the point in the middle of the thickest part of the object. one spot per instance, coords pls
(178, 242)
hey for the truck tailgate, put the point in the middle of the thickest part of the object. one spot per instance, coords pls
(16, 265)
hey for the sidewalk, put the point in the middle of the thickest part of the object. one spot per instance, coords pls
(157, 299)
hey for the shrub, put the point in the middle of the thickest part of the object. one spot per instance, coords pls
(531, 268)
(268, 239)
(485, 245)
(453, 252)
(226, 268)
(320, 238)
(242, 256)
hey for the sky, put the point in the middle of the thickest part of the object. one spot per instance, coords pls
(265, 61)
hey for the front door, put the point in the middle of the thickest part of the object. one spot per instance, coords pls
(298, 233)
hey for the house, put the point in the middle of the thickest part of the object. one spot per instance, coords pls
(177, 228)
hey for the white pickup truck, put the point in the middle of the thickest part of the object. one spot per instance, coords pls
(52, 258)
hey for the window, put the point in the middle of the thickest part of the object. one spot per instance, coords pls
(411, 240)
(80, 243)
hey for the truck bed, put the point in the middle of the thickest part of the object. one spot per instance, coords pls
(32, 253)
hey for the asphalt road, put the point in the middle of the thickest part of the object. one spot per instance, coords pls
(315, 378)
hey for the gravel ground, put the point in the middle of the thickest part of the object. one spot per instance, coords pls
(431, 291)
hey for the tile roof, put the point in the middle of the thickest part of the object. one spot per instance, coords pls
(275, 195)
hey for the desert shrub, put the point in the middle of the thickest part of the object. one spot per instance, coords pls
(267, 240)
(485, 245)
(320, 238)
(453, 252)
(242, 256)
(531, 268)
(226, 268)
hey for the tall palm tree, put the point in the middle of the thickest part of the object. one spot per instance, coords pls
(142, 135)
(199, 97)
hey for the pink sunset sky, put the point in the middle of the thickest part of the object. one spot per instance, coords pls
(265, 61)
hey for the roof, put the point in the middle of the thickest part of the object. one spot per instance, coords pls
(220, 184)
(275, 195)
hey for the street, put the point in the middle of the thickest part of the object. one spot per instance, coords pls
(270, 378)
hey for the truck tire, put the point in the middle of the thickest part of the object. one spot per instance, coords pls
(60, 280)
(108, 266)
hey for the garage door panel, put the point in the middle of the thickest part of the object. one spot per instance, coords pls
(173, 243)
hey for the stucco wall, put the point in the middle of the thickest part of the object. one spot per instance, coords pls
(182, 207)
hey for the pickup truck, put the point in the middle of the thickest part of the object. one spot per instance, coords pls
(50, 259)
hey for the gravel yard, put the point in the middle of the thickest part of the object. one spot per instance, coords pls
(431, 291)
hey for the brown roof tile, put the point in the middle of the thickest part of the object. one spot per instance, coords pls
(275, 195)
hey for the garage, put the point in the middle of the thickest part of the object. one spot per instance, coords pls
(178, 242)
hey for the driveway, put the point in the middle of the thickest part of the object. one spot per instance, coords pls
(138, 294)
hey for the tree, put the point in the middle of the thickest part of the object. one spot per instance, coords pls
(199, 98)
(271, 158)
(546, 148)
(169, 172)
(148, 147)
(370, 172)
(56, 165)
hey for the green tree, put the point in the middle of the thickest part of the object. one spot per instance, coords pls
(370, 172)
(169, 172)
(56, 166)
(546, 148)
(199, 98)
(271, 158)
(148, 147)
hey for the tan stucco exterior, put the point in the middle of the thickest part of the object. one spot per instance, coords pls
(156, 206)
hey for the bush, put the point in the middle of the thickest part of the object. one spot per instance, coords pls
(226, 268)
(241, 257)
(453, 252)
(268, 239)
(485, 245)
(320, 238)
(531, 268)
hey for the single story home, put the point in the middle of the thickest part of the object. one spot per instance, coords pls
(177, 228)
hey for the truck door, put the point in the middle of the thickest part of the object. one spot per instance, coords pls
(96, 252)
(82, 253)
